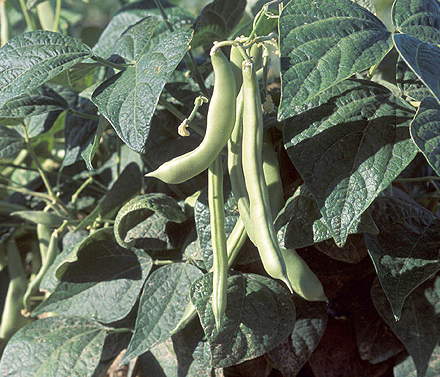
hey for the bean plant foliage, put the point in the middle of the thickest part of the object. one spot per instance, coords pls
(103, 268)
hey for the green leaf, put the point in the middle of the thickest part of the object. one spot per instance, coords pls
(216, 21)
(323, 43)
(40, 217)
(140, 208)
(408, 82)
(33, 58)
(350, 149)
(407, 368)
(128, 184)
(420, 18)
(367, 4)
(132, 14)
(41, 101)
(419, 326)
(300, 224)
(291, 355)
(405, 253)
(425, 131)
(422, 58)
(79, 134)
(163, 303)
(53, 347)
(11, 143)
(259, 315)
(128, 100)
(104, 283)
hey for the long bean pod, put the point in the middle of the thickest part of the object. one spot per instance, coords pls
(218, 240)
(220, 122)
(260, 225)
(12, 318)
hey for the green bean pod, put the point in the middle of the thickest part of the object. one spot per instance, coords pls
(304, 281)
(220, 122)
(52, 252)
(260, 225)
(12, 318)
(236, 59)
(218, 240)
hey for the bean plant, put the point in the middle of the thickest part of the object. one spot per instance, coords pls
(224, 188)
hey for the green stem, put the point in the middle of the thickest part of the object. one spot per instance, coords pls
(179, 115)
(45, 15)
(4, 23)
(56, 21)
(162, 262)
(22, 190)
(182, 130)
(110, 64)
(43, 175)
(76, 194)
(27, 17)
(80, 114)
(418, 179)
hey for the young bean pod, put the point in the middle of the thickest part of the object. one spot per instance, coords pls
(12, 318)
(304, 282)
(220, 122)
(260, 224)
(218, 240)
(52, 252)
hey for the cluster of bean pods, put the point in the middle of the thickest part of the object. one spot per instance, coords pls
(235, 119)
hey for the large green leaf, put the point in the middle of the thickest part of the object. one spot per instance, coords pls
(216, 21)
(53, 347)
(322, 43)
(291, 355)
(408, 82)
(128, 100)
(419, 325)
(349, 149)
(42, 100)
(422, 58)
(30, 59)
(163, 303)
(407, 368)
(11, 143)
(104, 283)
(132, 14)
(300, 224)
(259, 315)
(420, 18)
(128, 184)
(140, 208)
(425, 131)
(405, 253)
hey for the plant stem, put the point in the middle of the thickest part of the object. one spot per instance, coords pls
(43, 175)
(4, 23)
(80, 189)
(110, 64)
(25, 191)
(27, 17)
(179, 115)
(418, 179)
(45, 15)
(80, 114)
(56, 21)
(162, 262)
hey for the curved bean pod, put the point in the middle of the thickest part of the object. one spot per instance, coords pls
(220, 122)
(260, 225)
